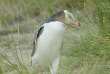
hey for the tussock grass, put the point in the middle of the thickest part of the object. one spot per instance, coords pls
(86, 48)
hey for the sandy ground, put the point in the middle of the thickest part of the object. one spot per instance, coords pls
(21, 47)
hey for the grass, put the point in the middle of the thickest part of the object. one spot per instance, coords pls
(86, 48)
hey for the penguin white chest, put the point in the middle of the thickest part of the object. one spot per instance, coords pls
(49, 44)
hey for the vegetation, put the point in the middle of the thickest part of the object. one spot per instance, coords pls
(86, 48)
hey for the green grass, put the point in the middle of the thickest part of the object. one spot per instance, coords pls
(86, 48)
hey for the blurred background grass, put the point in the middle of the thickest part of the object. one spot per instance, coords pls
(86, 48)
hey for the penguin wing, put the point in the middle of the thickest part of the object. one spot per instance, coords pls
(37, 35)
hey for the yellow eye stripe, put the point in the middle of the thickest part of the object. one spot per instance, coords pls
(68, 14)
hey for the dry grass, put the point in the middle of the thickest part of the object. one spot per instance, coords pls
(86, 48)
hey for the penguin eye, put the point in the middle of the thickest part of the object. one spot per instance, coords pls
(67, 17)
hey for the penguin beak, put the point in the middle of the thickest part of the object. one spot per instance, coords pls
(76, 23)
